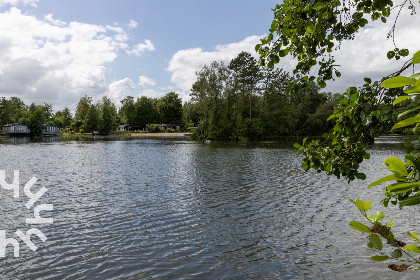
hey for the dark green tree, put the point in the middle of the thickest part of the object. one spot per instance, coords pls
(63, 119)
(127, 111)
(107, 115)
(92, 120)
(81, 110)
(170, 108)
(146, 112)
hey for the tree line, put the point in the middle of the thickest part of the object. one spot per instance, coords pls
(101, 117)
(243, 100)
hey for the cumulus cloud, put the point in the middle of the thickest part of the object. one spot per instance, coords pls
(17, 2)
(185, 63)
(139, 49)
(365, 56)
(121, 89)
(49, 18)
(145, 81)
(48, 60)
(133, 24)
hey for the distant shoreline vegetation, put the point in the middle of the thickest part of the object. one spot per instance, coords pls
(241, 101)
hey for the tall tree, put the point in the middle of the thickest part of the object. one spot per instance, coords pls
(81, 110)
(63, 118)
(91, 120)
(127, 111)
(146, 112)
(108, 116)
(170, 108)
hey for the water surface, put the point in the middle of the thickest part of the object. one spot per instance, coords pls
(159, 209)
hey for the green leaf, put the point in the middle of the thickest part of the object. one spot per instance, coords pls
(363, 206)
(361, 176)
(415, 76)
(391, 177)
(396, 253)
(416, 58)
(410, 201)
(413, 235)
(359, 227)
(413, 248)
(407, 122)
(377, 217)
(412, 89)
(402, 187)
(379, 258)
(396, 82)
(407, 112)
(396, 165)
(376, 241)
(401, 99)
(318, 6)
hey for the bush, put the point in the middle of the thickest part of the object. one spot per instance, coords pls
(153, 128)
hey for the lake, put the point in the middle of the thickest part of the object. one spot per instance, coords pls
(167, 209)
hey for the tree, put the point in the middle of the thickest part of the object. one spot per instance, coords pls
(63, 119)
(107, 115)
(91, 120)
(309, 31)
(170, 108)
(127, 111)
(146, 111)
(37, 116)
(81, 110)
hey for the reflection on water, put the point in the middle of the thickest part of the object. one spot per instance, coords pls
(184, 210)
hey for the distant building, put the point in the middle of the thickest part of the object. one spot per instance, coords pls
(49, 129)
(128, 127)
(122, 127)
(164, 127)
(16, 129)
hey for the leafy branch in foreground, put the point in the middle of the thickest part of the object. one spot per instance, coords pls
(378, 232)
(310, 30)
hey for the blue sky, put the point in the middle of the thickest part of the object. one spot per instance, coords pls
(57, 51)
(159, 29)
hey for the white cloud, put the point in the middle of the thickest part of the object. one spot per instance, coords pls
(17, 2)
(133, 24)
(365, 56)
(48, 60)
(140, 48)
(145, 81)
(121, 89)
(185, 63)
(49, 18)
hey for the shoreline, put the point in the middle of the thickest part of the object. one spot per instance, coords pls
(178, 135)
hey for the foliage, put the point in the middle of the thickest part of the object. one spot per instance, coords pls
(310, 30)
(146, 111)
(81, 110)
(62, 119)
(36, 117)
(108, 116)
(378, 232)
(245, 101)
(170, 108)
(127, 111)
(91, 121)
(153, 128)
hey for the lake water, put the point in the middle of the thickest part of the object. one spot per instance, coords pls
(159, 209)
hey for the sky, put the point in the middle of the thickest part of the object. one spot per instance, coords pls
(56, 51)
